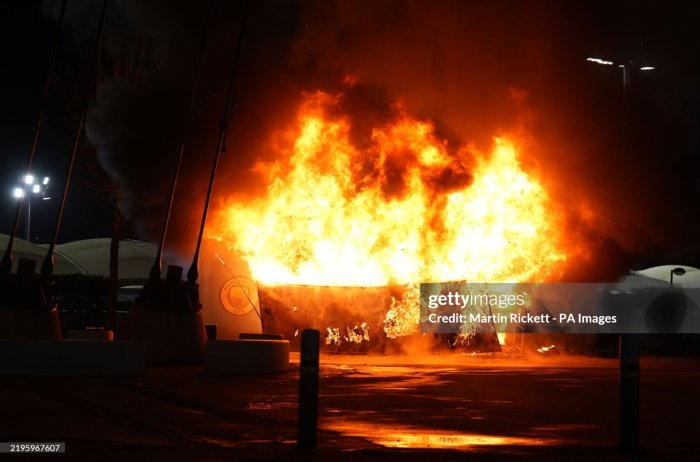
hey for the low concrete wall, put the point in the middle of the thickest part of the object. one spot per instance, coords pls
(246, 356)
(71, 358)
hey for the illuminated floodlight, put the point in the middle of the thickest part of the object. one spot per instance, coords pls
(600, 61)
(647, 68)
(29, 187)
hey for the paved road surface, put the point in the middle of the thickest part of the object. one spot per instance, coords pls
(372, 408)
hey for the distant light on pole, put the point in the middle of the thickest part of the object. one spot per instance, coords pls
(625, 77)
(26, 190)
(626, 70)
(610, 63)
(628, 410)
(600, 61)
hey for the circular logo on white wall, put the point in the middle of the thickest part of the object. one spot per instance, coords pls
(238, 294)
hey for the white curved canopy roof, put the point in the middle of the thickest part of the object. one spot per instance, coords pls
(691, 278)
(26, 249)
(89, 256)
(92, 255)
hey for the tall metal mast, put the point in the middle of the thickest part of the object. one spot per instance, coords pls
(47, 265)
(155, 272)
(193, 272)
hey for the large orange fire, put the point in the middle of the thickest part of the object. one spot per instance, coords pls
(403, 208)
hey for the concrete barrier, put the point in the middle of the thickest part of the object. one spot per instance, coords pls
(172, 338)
(71, 358)
(253, 356)
(24, 324)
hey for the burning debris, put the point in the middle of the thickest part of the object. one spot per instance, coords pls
(333, 337)
(475, 342)
(347, 315)
(358, 334)
(403, 317)
(550, 350)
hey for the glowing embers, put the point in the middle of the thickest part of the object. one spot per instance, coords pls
(349, 318)
(357, 334)
(548, 350)
(405, 207)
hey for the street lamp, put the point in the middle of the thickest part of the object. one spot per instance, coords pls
(31, 186)
(625, 69)
(628, 414)
(678, 272)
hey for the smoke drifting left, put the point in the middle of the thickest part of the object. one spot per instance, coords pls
(136, 121)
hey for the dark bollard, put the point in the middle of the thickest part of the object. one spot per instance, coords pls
(308, 389)
(25, 270)
(629, 392)
(173, 276)
(211, 330)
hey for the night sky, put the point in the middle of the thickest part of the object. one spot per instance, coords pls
(473, 68)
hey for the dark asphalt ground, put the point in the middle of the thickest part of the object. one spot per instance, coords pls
(376, 408)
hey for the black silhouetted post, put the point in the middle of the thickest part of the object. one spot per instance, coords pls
(629, 392)
(308, 389)
(629, 343)
(155, 272)
(193, 272)
(47, 265)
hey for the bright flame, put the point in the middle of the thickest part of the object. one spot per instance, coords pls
(405, 208)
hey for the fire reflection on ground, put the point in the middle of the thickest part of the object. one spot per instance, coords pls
(469, 403)
(401, 436)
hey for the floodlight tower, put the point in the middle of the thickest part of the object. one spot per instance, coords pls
(30, 186)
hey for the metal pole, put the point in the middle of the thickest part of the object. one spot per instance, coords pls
(629, 392)
(307, 424)
(29, 216)
(47, 265)
(629, 343)
(625, 78)
(155, 272)
(193, 272)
